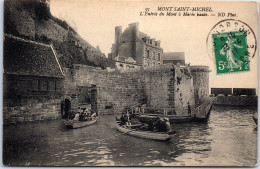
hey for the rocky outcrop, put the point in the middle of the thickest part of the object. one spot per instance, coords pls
(31, 19)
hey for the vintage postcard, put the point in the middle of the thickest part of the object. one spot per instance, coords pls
(130, 83)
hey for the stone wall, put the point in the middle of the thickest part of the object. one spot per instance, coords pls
(28, 98)
(236, 101)
(170, 87)
(159, 88)
(31, 19)
(116, 89)
(200, 76)
(167, 86)
(184, 90)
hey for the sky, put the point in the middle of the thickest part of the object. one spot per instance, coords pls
(96, 22)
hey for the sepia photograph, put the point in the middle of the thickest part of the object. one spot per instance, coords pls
(130, 83)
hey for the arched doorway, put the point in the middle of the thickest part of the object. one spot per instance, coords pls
(87, 97)
(65, 108)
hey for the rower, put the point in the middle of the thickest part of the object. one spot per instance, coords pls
(125, 119)
(167, 125)
(93, 114)
(163, 125)
(128, 118)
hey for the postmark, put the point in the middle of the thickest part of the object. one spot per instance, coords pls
(231, 44)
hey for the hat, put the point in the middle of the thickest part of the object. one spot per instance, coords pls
(69, 98)
(166, 119)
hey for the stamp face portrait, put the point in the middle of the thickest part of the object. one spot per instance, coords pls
(232, 45)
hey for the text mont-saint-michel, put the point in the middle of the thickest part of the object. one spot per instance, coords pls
(194, 9)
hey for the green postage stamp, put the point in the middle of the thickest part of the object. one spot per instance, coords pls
(231, 54)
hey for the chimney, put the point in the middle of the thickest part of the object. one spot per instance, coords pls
(158, 43)
(153, 40)
(118, 33)
(148, 39)
(134, 25)
(98, 49)
(145, 39)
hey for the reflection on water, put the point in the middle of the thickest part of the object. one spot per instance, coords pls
(228, 139)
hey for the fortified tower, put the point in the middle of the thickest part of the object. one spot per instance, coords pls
(200, 76)
(118, 32)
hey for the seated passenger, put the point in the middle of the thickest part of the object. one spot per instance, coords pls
(125, 119)
(94, 114)
(163, 125)
(76, 117)
(168, 125)
(82, 115)
(150, 125)
(88, 112)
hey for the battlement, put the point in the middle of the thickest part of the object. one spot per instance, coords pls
(199, 68)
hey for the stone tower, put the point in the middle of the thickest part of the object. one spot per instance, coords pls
(200, 76)
(118, 33)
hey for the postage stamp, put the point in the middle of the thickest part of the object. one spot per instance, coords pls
(231, 45)
(231, 53)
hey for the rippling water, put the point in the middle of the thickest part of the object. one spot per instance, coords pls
(228, 139)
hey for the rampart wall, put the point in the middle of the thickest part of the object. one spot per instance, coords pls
(167, 86)
(236, 101)
(200, 76)
(115, 89)
(27, 98)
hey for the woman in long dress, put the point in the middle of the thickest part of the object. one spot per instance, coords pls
(228, 49)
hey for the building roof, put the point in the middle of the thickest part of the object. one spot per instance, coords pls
(130, 60)
(26, 57)
(173, 56)
(123, 59)
(120, 58)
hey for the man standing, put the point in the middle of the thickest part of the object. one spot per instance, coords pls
(189, 110)
(67, 107)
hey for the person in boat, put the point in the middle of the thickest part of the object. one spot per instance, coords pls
(94, 114)
(125, 119)
(76, 117)
(82, 115)
(168, 125)
(151, 124)
(89, 114)
(163, 125)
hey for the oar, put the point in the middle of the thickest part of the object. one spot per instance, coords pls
(115, 136)
(172, 132)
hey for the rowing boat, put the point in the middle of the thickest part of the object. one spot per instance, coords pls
(145, 118)
(163, 136)
(74, 124)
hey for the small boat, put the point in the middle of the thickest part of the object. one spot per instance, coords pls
(74, 124)
(163, 136)
(145, 118)
(255, 118)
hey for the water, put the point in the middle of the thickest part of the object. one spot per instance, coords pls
(228, 139)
